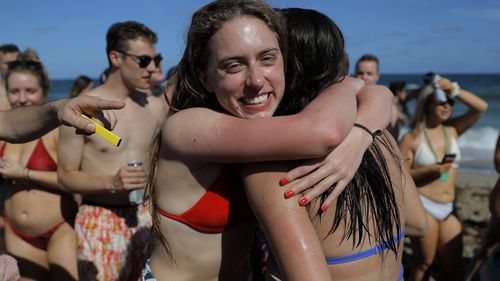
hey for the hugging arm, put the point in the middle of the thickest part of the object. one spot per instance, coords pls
(204, 135)
(287, 226)
(340, 165)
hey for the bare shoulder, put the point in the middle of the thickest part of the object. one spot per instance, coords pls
(452, 131)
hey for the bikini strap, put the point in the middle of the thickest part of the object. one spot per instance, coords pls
(446, 142)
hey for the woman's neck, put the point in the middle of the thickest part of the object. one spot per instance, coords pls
(432, 123)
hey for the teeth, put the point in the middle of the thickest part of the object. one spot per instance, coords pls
(256, 100)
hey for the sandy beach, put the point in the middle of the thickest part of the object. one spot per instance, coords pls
(473, 190)
(472, 206)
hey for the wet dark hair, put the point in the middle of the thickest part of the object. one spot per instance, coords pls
(316, 57)
(120, 33)
(316, 60)
(189, 91)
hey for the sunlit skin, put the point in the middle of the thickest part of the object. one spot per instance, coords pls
(368, 72)
(245, 69)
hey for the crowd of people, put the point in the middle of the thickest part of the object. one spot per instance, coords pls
(235, 167)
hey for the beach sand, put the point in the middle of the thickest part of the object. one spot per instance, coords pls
(473, 190)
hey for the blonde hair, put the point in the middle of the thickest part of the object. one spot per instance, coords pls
(420, 115)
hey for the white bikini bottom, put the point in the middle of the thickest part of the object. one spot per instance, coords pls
(440, 211)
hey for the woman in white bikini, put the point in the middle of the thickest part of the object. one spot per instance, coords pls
(431, 152)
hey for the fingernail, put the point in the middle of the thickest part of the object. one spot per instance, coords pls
(303, 201)
(289, 194)
(283, 181)
(324, 207)
(90, 127)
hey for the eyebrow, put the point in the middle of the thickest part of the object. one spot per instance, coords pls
(265, 51)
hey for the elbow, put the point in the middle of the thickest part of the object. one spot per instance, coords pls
(421, 228)
(482, 107)
(332, 135)
(418, 228)
(62, 181)
(479, 106)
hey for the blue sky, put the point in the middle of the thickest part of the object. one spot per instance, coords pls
(446, 36)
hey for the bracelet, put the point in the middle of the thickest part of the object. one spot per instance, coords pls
(374, 134)
(26, 174)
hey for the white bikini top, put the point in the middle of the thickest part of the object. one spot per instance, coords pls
(425, 154)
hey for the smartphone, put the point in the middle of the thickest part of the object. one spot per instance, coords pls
(448, 158)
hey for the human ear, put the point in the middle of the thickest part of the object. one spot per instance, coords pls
(113, 57)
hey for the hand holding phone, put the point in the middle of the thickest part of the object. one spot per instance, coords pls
(448, 158)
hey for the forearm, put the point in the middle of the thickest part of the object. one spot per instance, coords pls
(28, 123)
(374, 107)
(210, 136)
(44, 178)
(85, 183)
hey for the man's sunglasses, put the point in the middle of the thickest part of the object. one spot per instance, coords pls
(144, 60)
(29, 64)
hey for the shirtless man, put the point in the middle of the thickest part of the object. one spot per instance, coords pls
(107, 220)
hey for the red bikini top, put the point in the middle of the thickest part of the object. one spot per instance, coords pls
(223, 205)
(40, 159)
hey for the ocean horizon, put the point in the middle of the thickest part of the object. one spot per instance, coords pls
(477, 144)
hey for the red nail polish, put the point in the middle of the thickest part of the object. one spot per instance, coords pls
(303, 201)
(324, 207)
(289, 194)
(283, 181)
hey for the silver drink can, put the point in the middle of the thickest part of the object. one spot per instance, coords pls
(135, 196)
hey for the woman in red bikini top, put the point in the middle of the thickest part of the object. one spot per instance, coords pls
(37, 213)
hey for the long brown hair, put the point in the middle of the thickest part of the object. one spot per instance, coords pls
(189, 91)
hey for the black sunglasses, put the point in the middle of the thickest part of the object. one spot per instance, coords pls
(144, 60)
(449, 101)
(29, 64)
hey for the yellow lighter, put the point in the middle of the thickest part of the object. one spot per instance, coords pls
(105, 133)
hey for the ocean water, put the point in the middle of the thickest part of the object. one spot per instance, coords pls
(477, 144)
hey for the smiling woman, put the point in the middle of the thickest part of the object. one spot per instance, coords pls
(37, 213)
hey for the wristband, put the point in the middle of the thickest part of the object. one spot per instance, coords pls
(456, 90)
(374, 134)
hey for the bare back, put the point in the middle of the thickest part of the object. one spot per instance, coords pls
(383, 266)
